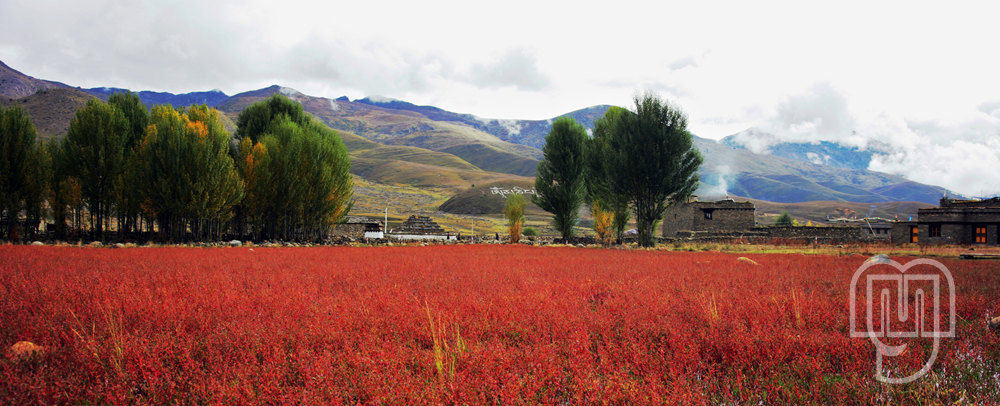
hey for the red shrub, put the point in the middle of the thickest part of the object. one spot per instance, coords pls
(458, 324)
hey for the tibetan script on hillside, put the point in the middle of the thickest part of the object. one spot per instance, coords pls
(496, 190)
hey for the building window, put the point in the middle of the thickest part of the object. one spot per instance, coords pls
(708, 214)
(913, 233)
(980, 234)
(934, 230)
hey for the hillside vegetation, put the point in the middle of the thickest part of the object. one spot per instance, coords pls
(51, 109)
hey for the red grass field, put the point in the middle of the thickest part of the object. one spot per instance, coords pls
(460, 324)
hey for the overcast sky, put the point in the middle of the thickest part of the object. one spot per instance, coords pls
(920, 78)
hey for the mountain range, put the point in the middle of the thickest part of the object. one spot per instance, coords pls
(396, 142)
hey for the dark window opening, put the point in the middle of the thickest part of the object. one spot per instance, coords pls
(708, 214)
(934, 230)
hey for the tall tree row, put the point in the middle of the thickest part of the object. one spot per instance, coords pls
(23, 173)
(297, 171)
(94, 149)
(637, 163)
(184, 175)
(175, 174)
(649, 160)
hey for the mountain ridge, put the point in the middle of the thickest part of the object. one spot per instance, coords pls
(433, 139)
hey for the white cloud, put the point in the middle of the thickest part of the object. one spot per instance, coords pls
(958, 153)
(861, 72)
(972, 169)
(517, 68)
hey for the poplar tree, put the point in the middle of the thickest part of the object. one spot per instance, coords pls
(127, 204)
(296, 169)
(597, 153)
(652, 161)
(95, 152)
(18, 160)
(186, 177)
(560, 182)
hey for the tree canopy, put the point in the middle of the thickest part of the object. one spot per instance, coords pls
(513, 213)
(560, 181)
(297, 170)
(651, 159)
(186, 176)
(785, 219)
(95, 151)
(597, 155)
(21, 172)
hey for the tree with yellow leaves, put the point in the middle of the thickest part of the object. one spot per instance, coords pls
(185, 173)
(513, 213)
(603, 221)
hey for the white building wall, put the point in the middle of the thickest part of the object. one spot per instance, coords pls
(421, 237)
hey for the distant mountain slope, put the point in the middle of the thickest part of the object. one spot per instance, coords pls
(404, 127)
(819, 211)
(397, 142)
(525, 132)
(532, 132)
(52, 109)
(482, 199)
(740, 172)
(16, 85)
(822, 152)
(211, 98)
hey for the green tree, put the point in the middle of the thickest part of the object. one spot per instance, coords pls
(95, 149)
(598, 157)
(513, 213)
(652, 160)
(560, 182)
(18, 161)
(188, 179)
(59, 186)
(785, 219)
(297, 171)
(39, 177)
(126, 199)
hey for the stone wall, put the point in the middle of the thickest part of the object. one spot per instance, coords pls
(356, 231)
(724, 216)
(781, 234)
(827, 235)
(900, 233)
(951, 233)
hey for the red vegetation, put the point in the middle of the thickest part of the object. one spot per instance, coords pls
(459, 324)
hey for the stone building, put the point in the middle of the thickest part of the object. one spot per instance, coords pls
(871, 228)
(723, 216)
(729, 219)
(960, 222)
(420, 228)
(358, 227)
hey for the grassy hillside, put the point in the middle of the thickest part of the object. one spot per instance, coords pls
(397, 172)
(481, 200)
(16, 85)
(355, 142)
(492, 159)
(403, 128)
(415, 155)
(52, 109)
(818, 211)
